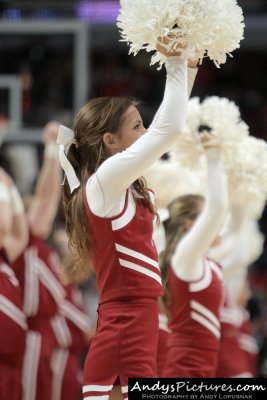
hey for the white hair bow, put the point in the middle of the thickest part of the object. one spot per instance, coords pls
(65, 139)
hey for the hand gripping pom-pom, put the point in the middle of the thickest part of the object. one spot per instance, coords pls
(212, 28)
(245, 157)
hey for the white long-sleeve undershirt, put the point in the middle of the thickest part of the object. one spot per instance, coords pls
(233, 253)
(187, 260)
(191, 76)
(106, 188)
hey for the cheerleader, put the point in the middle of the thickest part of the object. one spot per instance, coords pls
(13, 238)
(41, 290)
(109, 213)
(194, 287)
(240, 245)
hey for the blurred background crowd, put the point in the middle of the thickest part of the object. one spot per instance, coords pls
(56, 54)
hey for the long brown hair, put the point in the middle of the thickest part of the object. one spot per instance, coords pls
(181, 209)
(98, 116)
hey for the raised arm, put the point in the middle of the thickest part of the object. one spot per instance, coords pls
(231, 236)
(117, 173)
(192, 71)
(194, 245)
(44, 205)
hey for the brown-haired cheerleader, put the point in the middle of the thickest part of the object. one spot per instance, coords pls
(109, 213)
(194, 289)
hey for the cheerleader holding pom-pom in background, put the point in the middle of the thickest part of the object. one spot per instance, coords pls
(244, 155)
(13, 239)
(245, 164)
(41, 290)
(194, 282)
(241, 244)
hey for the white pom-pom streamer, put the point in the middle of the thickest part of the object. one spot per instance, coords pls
(211, 28)
(170, 181)
(223, 116)
(247, 175)
(245, 157)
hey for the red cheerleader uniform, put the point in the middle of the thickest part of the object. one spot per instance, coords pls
(42, 293)
(194, 323)
(12, 333)
(129, 282)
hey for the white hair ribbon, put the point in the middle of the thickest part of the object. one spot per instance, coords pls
(65, 138)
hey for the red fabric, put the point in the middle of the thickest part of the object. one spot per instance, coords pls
(163, 348)
(79, 344)
(190, 362)
(47, 306)
(71, 384)
(194, 323)
(46, 310)
(10, 381)
(125, 343)
(234, 360)
(114, 281)
(251, 357)
(185, 330)
(44, 377)
(12, 340)
(12, 335)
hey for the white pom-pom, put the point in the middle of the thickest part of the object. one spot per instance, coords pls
(212, 28)
(223, 116)
(188, 150)
(247, 176)
(245, 157)
(170, 181)
(219, 115)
